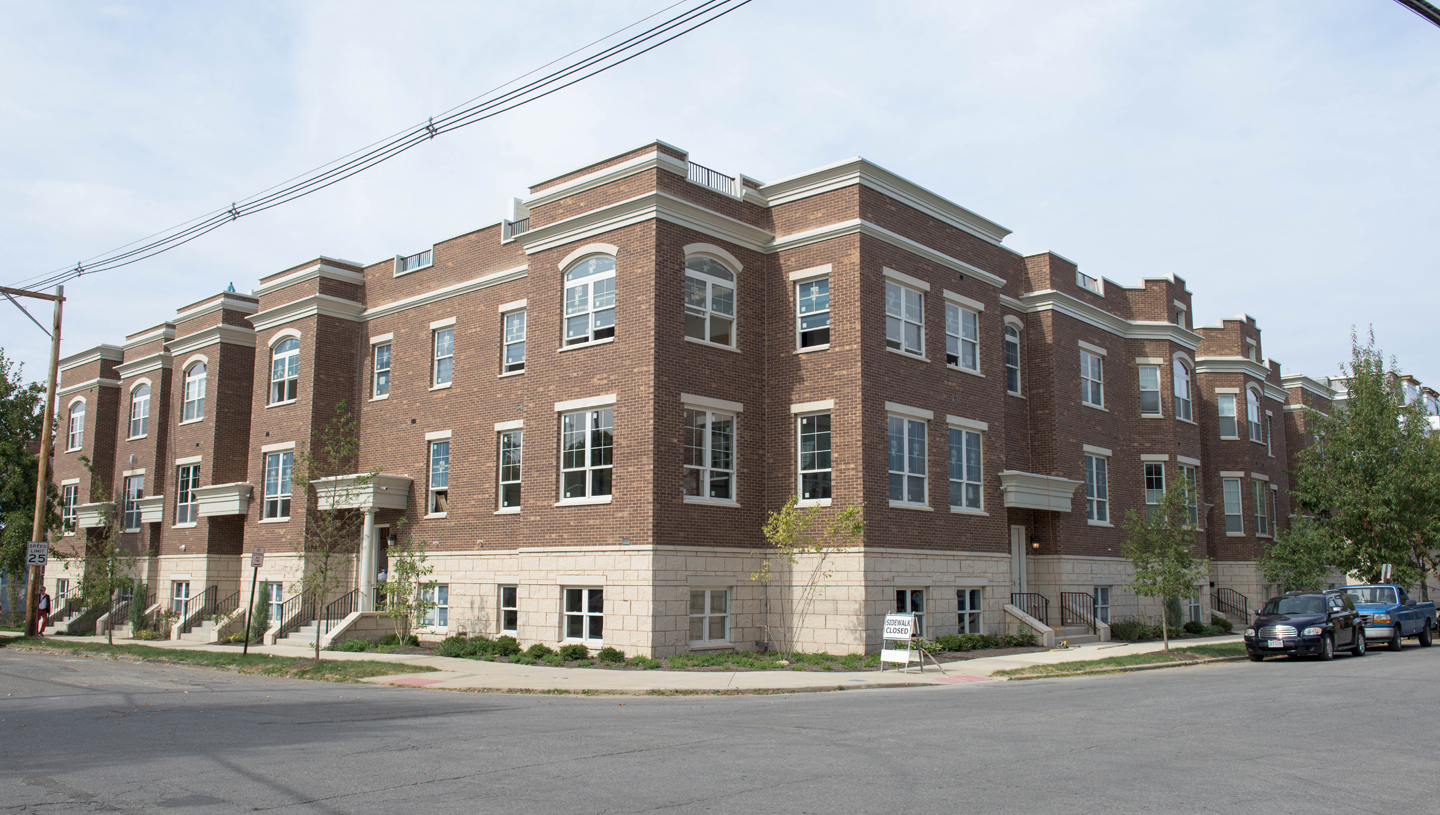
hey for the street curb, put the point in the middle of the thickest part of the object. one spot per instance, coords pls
(1126, 669)
(661, 692)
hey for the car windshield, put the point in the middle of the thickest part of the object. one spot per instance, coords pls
(1295, 605)
(1384, 595)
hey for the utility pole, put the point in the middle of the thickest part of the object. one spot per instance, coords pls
(37, 529)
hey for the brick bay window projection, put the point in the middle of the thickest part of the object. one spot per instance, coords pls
(585, 615)
(1149, 390)
(964, 469)
(509, 609)
(140, 412)
(443, 369)
(912, 601)
(1012, 359)
(709, 440)
(906, 442)
(815, 457)
(193, 408)
(279, 468)
(971, 611)
(512, 454)
(69, 498)
(1262, 507)
(962, 338)
(709, 616)
(134, 490)
(1234, 512)
(1154, 488)
(439, 490)
(381, 375)
(1182, 391)
(1252, 415)
(187, 507)
(1097, 489)
(904, 319)
(586, 451)
(709, 301)
(513, 341)
(1229, 424)
(1092, 379)
(590, 300)
(75, 436)
(812, 312)
(285, 371)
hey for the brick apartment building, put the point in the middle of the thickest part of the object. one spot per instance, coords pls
(589, 410)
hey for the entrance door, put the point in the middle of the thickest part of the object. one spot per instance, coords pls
(1017, 560)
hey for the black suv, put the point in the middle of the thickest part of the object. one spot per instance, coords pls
(1306, 623)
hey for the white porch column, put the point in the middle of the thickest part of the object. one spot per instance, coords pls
(365, 564)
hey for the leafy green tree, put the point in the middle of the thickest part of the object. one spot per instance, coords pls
(799, 532)
(409, 594)
(105, 569)
(1161, 548)
(260, 614)
(1302, 556)
(22, 416)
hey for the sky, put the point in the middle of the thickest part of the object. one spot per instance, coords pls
(1280, 157)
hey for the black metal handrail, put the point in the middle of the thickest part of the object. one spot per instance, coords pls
(706, 177)
(1032, 603)
(1232, 603)
(380, 597)
(338, 610)
(510, 229)
(71, 602)
(1078, 608)
(198, 608)
(227, 605)
(295, 612)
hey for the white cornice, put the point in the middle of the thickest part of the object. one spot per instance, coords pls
(154, 362)
(1034, 491)
(322, 305)
(608, 175)
(1232, 365)
(113, 353)
(214, 335)
(319, 270)
(652, 205)
(486, 281)
(165, 332)
(80, 386)
(1306, 383)
(225, 300)
(1060, 302)
(859, 227)
(1276, 392)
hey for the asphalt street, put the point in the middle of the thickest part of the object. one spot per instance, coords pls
(1352, 735)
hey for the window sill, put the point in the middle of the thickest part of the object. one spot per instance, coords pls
(714, 345)
(965, 371)
(1016, 394)
(445, 386)
(137, 438)
(1187, 421)
(823, 347)
(1089, 522)
(382, 397)
(511, 373)
(281, 404)
(1262, 535)
(586, 643)
(127, 531)
(714, 502)
(1095, 407)
(968, 511)
(433, 515)
(813, 502)
(909, 505)
(70, 534)
(1229, 438)
(907, 354)
(579, 345)
(190, 525)
(274, 520)
(508, 511)
(578, 502)
(1152, 415)
(711, 646)
(192, 421)
(1258, 441)
(1234, 534)
(74, 449)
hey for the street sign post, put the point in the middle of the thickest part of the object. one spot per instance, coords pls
(257, 558)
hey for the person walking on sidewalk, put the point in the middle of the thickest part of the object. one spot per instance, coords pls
(43, 611)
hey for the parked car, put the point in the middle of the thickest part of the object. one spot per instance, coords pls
(1306, 624)
(1389, 616)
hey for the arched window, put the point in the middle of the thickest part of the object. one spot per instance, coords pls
(1182, 390)
(1012, 359)
(285, 371)
(590, 300)
(140, 411)
(76, 434)
(194, 407)
(1252, 414)
(709, 301)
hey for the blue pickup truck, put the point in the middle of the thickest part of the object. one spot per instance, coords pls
(1389, 616)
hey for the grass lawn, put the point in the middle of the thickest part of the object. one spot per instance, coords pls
(1212, 651)
(293, 667)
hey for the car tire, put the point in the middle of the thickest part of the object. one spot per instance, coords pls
(1327, 648)
(1257, 657)
(1395, 644)
(1426, 638)
(1361, 647)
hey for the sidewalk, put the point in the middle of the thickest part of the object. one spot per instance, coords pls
(470, 674)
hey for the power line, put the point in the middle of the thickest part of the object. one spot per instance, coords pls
(460, 116)
(1425, 10)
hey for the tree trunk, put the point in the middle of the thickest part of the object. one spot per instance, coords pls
(110, 625)
(1165, 623)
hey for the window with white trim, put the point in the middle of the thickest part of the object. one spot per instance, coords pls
(443, 369)
(965, 469)
(709, 301)
(709, 616)
(1012, 359)
(285, 371)
(75, 438)
(134, 490)
(509, 609)
(513, 358)
(179, 595)
(419, 260)
(906, 443)
(709, 441)
(590, 300)
(962, 337)
(1229, 424)
(512, 457)
(812, 312)
(904, 319)
(277, 601)
(1097, 488)
(187, 506)
(439, 489)
(381, 378)
(69, 499)
(1252, 414)
(1154, 488)
(586, 453)
(193, 406)
(1192, 608)
(912, 601)
(1181, 372)
(1092, 379)
(1234, 510)
(1262, 507)
(971, 611)
(1149, 390)
(1102, 604)
(279, 469)
(814, 465)
(1269, 437)
(438, 615)
(1087, 282)
(1192, 494)
(585, 615)
(140, 411)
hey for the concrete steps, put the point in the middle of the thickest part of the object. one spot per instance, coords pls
(199, 633)
(1074, 635)
(304, 635)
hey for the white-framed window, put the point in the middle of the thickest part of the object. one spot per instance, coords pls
(709, 301)
(285, 371)
(585, 614)
(509, 609)
(906, 443)
(912, 601)
(965, 469)
(513, 358)
(1102, 604)
(1269, 437)
(179, 595)
(587, 444)
(443, 369)
(1149, 390)
(438, 502)
(1225, 407)
(438, 615)
(814, 464)
(1192, 608)
(279, 469)
(512, 459)
(1234, 510)
(193, 407)
(709, 616)
(971, 611)
(709, 441)
(187, 506)
(1097, 488)
(904, 319)
(1154, 487)
(1192, 493)
(381, 377)
(1092, 379)
(69, 499)
(1262, 507)
(812, 312)
(1183, 408)
(1274, 509)
(590, 300)
(419, 260)
(277, 600)
(1086, 282)
(1252, 415)
(962, 337)
(140, 411)
(62, 588)
(1012, 359)
(75, 437)
(134, 490)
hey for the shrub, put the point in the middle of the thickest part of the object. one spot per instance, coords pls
(611, 656)
(260, 614)
(388, 640)
(645, 662)
(574, 651)
(1194, 627)
(1222, 624)
(523, 659)
(454, 645)
(1214, 631)
(507, 646)
(554, 661)
(231, 639)
(539, 651)
(149, 634)
(1024, 639)
(948, 642)
(354, 645)
(1133, 630)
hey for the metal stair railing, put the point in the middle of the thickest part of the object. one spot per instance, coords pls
(295, 612)
(227, 605)
(198, 608)
(1078, 608)
(711, 179)
(1033, 603)
(338, 610)
(1232, 603)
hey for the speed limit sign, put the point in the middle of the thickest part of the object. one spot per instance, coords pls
(37, 553)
